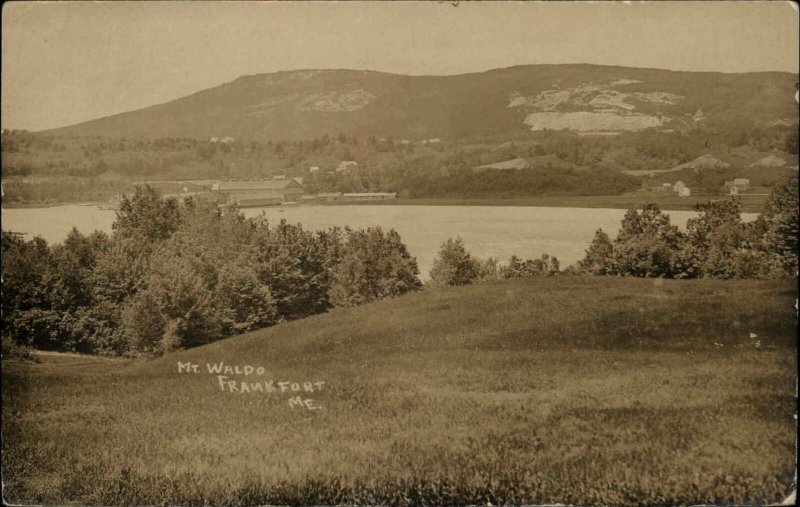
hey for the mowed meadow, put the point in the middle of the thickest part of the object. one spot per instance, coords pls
(579, 390)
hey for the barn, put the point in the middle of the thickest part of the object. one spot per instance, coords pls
(251, 193)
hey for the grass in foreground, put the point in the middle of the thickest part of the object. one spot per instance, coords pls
(573, 390)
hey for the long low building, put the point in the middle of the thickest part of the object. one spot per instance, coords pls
(352, 196)
(251, 193)
(368, 196)
(328, 196)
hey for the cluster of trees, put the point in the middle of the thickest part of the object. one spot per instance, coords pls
(533, 181)
(762, 138)
(178, 275)
(15, 141)
(174, 275)
(716, 244)
(455, 266)
(56, 190)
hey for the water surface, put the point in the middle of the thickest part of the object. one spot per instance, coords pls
(497, 231)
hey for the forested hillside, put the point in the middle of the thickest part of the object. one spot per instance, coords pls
(41, 168)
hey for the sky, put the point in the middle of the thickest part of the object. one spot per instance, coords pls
(67, 62)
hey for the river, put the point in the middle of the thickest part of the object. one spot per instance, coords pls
(497, 231)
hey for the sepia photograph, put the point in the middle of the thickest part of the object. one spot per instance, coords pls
(327, 253)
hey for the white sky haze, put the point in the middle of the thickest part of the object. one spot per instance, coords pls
(64, 63)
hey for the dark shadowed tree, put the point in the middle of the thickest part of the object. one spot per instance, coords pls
(599, 258)
(373, 265)
(779, 242)
(713, 239)
(184, 299)
(295, 265)
(244, 302)
(147, 214)
(27, 314)
(453, 265)
(530, 268)
(647, 244)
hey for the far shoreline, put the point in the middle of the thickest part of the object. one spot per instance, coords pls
(751, 203)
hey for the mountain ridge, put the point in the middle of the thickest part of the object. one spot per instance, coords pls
(305, 103)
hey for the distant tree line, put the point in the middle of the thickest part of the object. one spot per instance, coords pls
(61, 190)
(178, 275)
(534, 181)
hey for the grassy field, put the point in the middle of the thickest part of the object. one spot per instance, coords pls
(751, 203)
(573, 390)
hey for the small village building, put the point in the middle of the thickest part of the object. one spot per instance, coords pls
(681, 189)
(652, 186)
(249, 193)
(663, 188)
(737, 186)
(313, 169)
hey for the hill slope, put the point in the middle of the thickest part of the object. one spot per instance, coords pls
(573, 390)
(309, 103)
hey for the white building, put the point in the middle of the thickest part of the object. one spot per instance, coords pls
(346, 165)
(737, 186)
